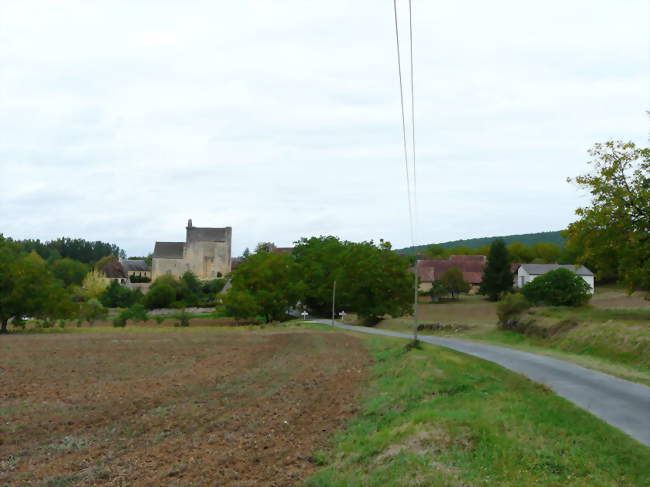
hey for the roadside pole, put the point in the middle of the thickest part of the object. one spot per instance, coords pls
(415, 304)
(333, 301)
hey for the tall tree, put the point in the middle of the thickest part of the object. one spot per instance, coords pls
(266, 283)
(27, 287)
(612, 233)
(454, 282)
(69, 271)
(497, 275)
(436, 252)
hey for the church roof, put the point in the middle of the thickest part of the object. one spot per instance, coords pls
(168, 250)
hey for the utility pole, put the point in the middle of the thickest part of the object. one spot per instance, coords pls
(415, 303)
(333, 301)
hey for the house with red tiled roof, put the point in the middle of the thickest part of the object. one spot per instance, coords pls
(429, 270)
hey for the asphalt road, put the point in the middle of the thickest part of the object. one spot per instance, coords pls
(621, 403)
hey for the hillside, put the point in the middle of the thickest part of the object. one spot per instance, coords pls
(475, 243)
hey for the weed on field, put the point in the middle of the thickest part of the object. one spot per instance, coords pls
(434, 417)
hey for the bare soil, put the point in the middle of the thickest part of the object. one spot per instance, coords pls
(151, 406)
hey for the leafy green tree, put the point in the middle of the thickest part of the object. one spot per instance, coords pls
(92, 310)
(320, 261)
(117, 296)
(160, 295)
(271, 280)
(373, 281)
(453, 281)
(436, 252)
(93, 285)
(28, 288)
(241, 304)
(213, 287)
(612, 234)
(69, 271)
(497, 275)
(138, 312)
(520, 252)
(246, 253)
(560, 287)
(437, 291)
(264, 247)
(548, 252)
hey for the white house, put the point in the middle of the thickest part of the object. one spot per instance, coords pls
(528, 272)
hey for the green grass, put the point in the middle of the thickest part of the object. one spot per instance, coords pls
(589, 313)
(434, 417)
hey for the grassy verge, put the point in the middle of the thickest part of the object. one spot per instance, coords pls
(434, 417)
(585, 347)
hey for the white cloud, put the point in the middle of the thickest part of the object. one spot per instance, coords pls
(119, 120)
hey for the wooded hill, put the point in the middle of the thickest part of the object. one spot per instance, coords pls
(528, 239)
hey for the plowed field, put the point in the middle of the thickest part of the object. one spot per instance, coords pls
(144, 406)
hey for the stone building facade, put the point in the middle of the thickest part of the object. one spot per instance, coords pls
(206, 252)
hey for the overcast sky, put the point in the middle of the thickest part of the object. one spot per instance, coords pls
(121, 119)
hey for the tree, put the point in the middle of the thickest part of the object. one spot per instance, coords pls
(271, 280)
(92, 310)
(246, 253)
(117, 296)
(69, 271)
(264, 247)
(373, 281)
(160, 295)
(612, 234)
(241, 305)
(437, 291)
(548, 252)
(28, 287)
(453, 281)
(520, 252)
(560, 287)
(497, 275)
(436, 252)
(93, 285)
(319, 260)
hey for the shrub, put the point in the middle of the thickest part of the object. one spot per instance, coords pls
(160, 295)
(183, 318)
(137, 312)
(117, 296)
(133, 278)
(91, 311)
(159, 319)
(120, 319)
(560, 287)
(510, 311)
(437, 291)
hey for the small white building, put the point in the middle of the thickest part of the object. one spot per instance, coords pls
(528, 272)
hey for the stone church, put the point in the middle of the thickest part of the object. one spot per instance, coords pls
(205, 252)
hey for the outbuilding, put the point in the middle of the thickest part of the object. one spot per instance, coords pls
(528, 272)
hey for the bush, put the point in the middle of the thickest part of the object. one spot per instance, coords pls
(91, 311)
(159, 319)
(133, 278)
(560, 287)
(183, 318)
(437, 291)
(120, 319)
(118, 296)
(510, 311)
(137, 312)
(160, 295)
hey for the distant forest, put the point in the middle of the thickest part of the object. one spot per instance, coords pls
(528, 239)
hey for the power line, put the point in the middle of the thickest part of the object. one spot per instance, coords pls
(401, 98)
(412, 200)
(415, 179)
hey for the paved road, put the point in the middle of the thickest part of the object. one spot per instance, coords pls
(623, 404)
